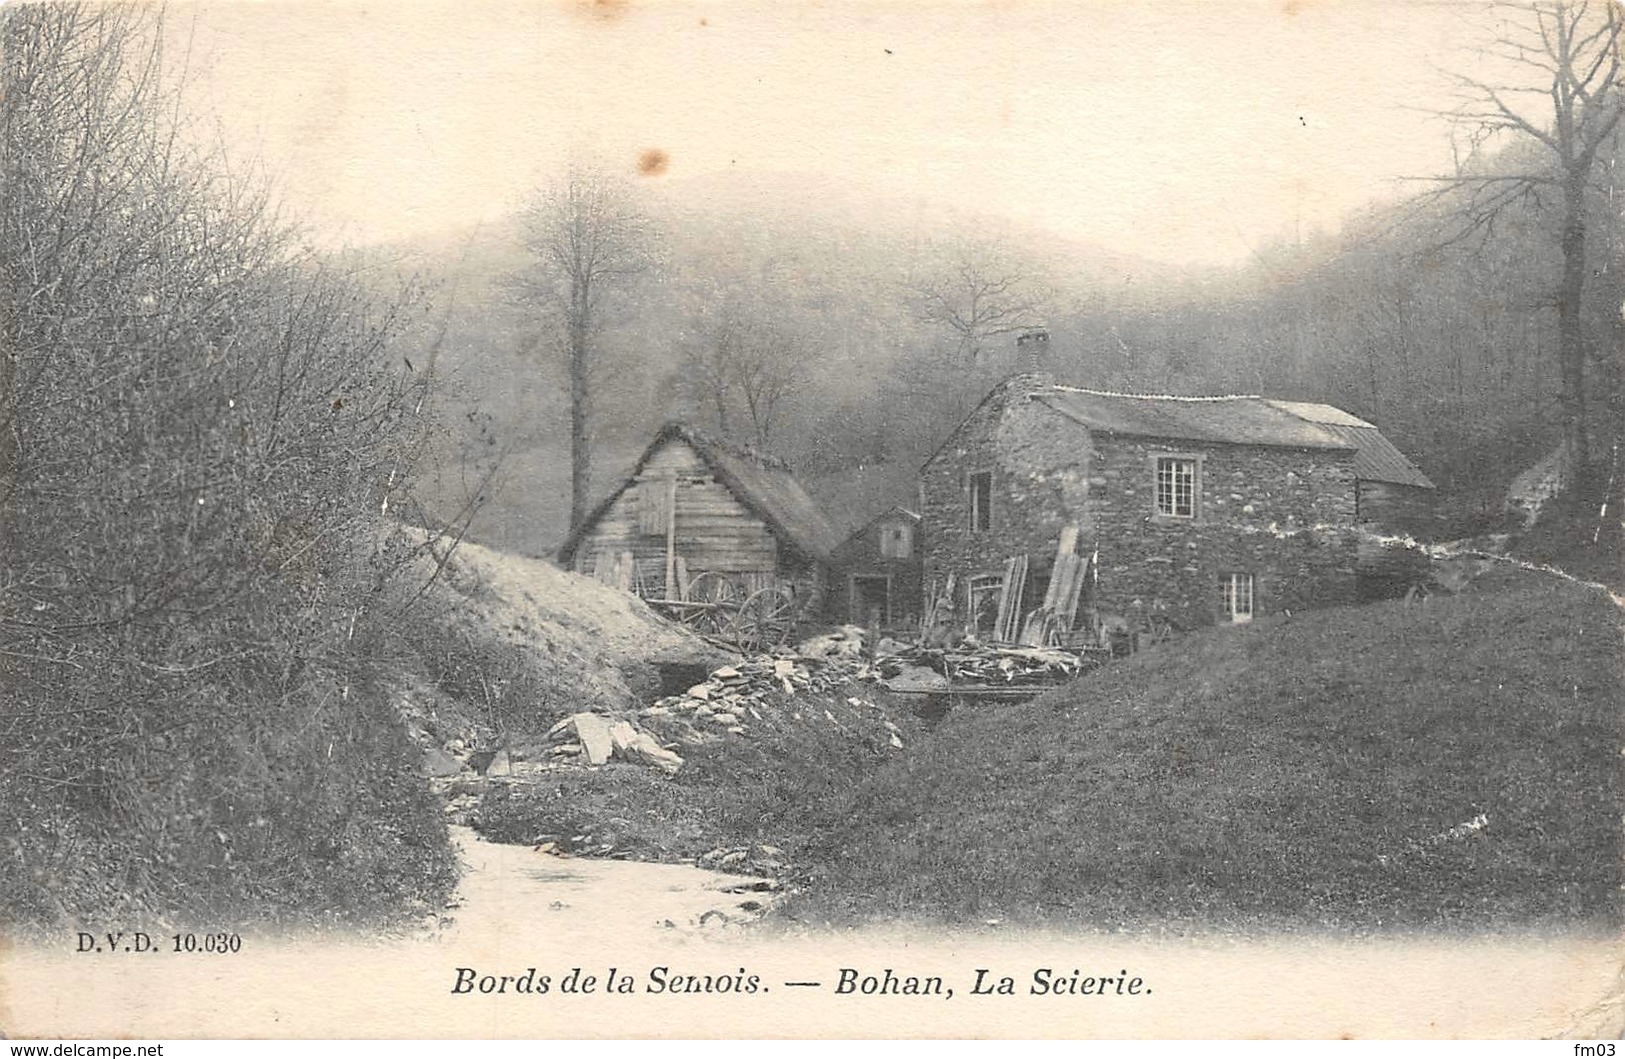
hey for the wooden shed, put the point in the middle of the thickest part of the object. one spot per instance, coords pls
(874, 577)
(697, 517)
(876, 574)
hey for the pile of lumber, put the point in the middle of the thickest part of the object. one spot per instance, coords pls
(1052, 620)
(973, 664)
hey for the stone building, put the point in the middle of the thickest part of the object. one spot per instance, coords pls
(1182, 511)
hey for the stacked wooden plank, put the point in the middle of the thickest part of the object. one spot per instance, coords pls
(1049, 623)
(1005, 625)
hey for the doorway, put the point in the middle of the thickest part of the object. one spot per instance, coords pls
(871, 600)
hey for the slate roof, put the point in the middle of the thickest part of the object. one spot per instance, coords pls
(1221, 420)
(1239, 420)
(761, 482)
(1375, 458)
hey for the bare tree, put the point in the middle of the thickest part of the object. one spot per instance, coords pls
(746, 361)
(975, 292)
(1570, 108)
(588, 241)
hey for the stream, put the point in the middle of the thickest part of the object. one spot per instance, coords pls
(635, 950)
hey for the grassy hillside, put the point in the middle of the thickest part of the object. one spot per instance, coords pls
(518, 643)
(1323, 772)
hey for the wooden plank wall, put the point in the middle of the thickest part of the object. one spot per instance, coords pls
(714, 530)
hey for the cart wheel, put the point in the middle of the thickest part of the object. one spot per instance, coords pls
(765, 618)
(722, 593)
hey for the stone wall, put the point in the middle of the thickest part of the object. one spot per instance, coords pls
(1286, 516)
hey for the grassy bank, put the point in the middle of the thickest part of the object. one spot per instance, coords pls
(1453, 765)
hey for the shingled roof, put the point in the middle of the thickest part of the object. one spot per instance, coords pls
(1238, 420)
(761, 482)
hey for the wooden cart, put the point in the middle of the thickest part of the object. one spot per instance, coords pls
(717, 605)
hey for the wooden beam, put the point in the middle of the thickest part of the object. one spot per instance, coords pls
(671, 536)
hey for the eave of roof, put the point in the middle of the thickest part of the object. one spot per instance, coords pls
(1376, 459)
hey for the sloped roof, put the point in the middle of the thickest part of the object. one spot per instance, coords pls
(1219, 420)
(1375, 457)
(854, 497)
(763, 483)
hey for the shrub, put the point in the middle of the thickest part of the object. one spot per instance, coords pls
(199, 435)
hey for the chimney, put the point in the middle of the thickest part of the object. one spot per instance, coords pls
(1032, 351)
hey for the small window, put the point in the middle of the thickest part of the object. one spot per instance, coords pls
(896, 540)
(1176, 486)
(1237, 590)
(981, 501)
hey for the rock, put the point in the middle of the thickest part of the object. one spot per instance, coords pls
(727, 673)
(640, 747)
(438, 763)
(593, 731)
(501, 765)
(917, 678)
(700, 691)
(846, 641)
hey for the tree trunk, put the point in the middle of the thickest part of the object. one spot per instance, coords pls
(580, 442)
(1570, 337)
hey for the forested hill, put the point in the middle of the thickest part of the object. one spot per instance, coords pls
(1446, 340)
(1443, 333)
(825, 282)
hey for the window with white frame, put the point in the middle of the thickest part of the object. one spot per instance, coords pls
(1176, 486)
(1237, 590)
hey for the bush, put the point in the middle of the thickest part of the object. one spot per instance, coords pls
(200, 433)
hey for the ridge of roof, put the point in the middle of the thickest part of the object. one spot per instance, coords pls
(1159, 396)
(1235, 419)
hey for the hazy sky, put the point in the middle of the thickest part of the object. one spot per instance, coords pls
(1184, 131)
